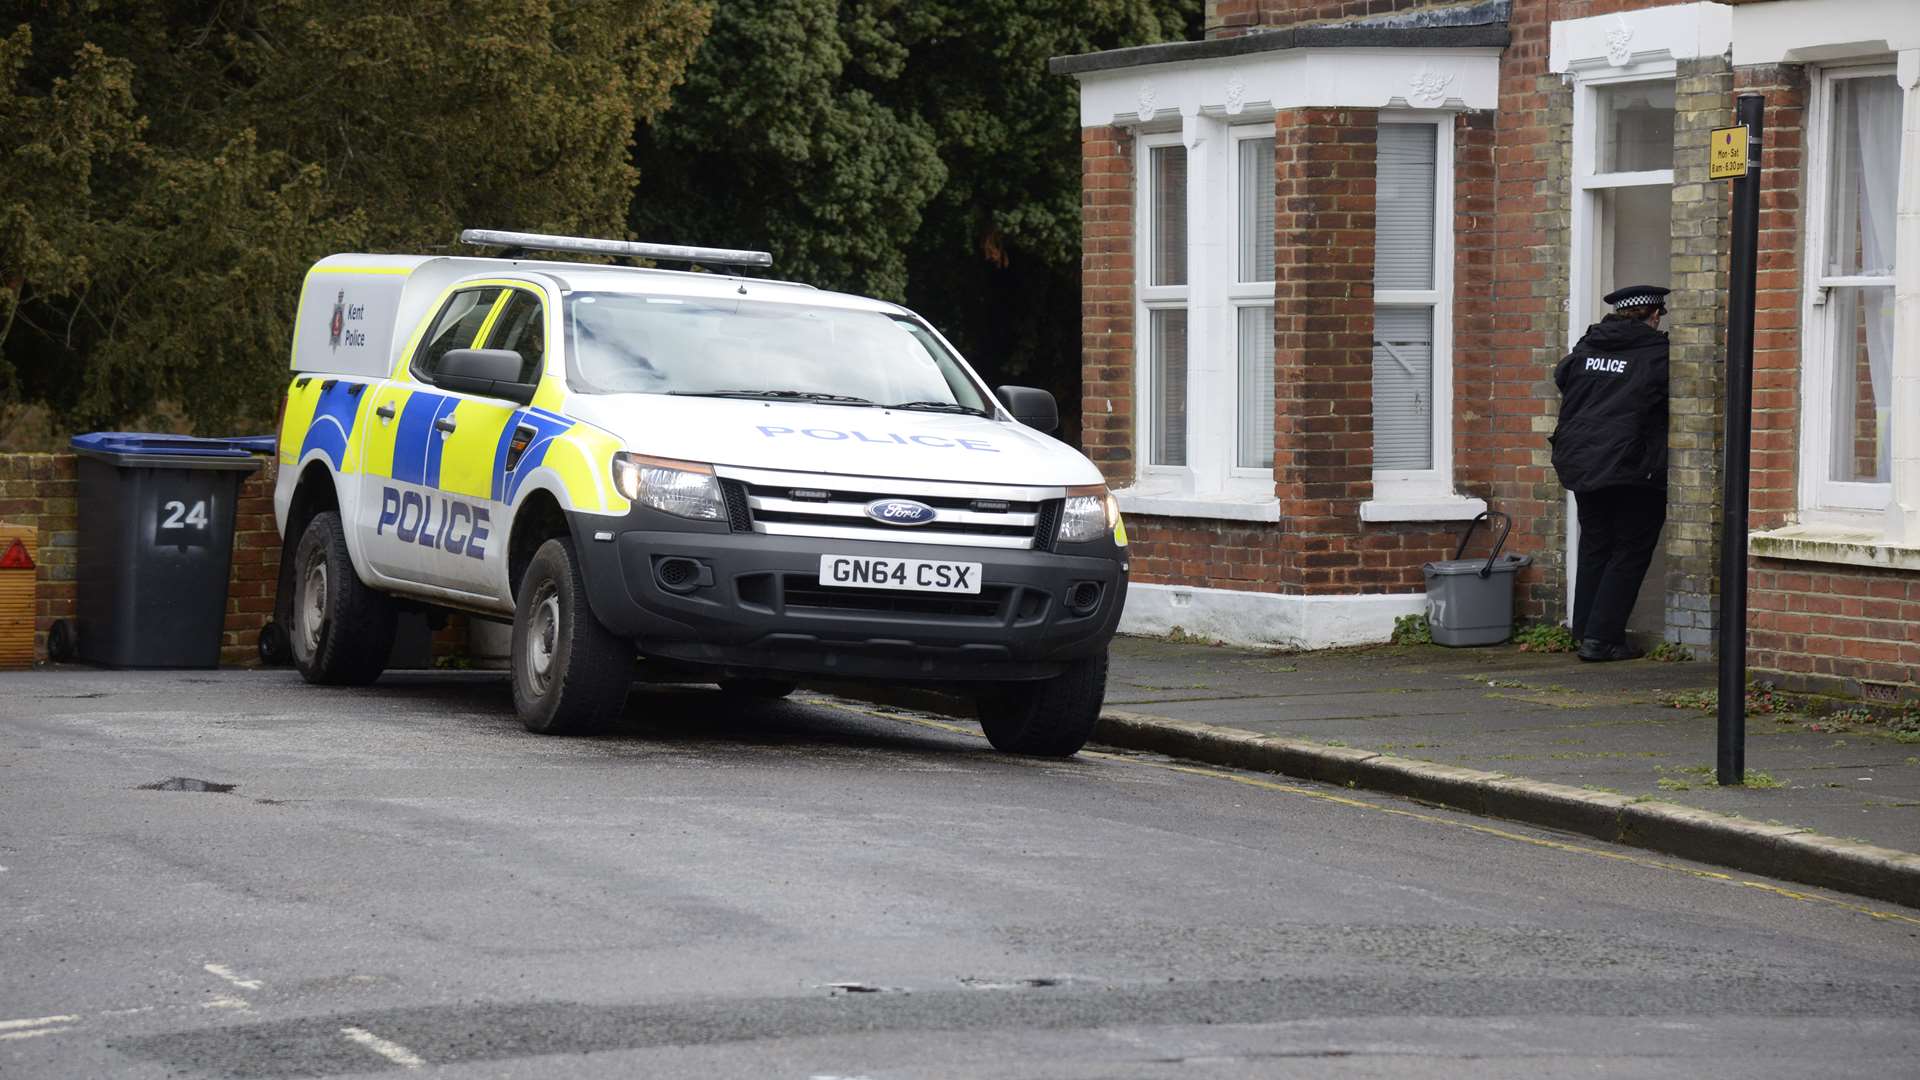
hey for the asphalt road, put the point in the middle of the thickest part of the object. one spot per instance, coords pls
(402, 881)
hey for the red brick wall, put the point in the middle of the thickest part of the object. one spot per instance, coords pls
(1821, 628)
(1106, 323)
(1776, 337)
(1229, 18)
(1324, 164)
(41, 490)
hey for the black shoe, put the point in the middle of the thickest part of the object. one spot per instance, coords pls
(1596, 651)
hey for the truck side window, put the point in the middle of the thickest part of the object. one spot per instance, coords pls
(522, 328)
(456, 327)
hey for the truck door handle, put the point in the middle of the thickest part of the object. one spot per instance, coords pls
(385, 411)
(445, 423)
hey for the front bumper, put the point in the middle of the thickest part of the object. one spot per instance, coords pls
(758, 609)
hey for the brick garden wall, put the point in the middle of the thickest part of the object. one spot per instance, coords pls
(41, 490)
(1106, 322)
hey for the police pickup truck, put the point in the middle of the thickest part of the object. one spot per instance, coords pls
(682, 476)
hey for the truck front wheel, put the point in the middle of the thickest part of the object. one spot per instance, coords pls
(342, 631)
(1049, 718)
(570, 676)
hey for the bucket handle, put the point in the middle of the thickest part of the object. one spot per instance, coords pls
(1506, 526)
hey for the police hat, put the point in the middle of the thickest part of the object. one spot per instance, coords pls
(1638, 296)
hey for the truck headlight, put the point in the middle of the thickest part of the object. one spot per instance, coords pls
(683, 488)
(1090, 513)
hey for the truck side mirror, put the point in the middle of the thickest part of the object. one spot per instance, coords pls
(1032, 407)
(487, 372)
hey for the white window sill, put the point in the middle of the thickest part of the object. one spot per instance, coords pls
(1225, 507)
(1419, 508)
(1834, 544)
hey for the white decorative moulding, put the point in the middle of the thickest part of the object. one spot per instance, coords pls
(1427, 88)
(1236, 94)
(1148, 98)
(1619, 42)
(1651, 35)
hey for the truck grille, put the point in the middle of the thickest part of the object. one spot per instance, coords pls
(835, 507)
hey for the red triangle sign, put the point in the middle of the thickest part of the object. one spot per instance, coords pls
(16, 558)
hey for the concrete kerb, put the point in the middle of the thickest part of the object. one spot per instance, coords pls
(1779, 851)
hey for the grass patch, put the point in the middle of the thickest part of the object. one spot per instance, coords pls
(1545, 638)
(1671, 652)
(1412, 630)
(1705, 776)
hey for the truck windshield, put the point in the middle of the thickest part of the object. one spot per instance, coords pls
(620, 343)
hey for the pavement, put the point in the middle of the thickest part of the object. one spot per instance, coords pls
(1622, 751)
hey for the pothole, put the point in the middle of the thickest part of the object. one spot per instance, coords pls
(838, 988)
(187, 783)
(976, 982)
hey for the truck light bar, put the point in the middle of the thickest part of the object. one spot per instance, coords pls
(590, 246)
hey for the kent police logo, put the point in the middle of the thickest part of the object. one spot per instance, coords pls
(339, 322)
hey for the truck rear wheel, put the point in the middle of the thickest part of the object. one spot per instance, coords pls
(342, 631)
(1049, 718)
(570, 676)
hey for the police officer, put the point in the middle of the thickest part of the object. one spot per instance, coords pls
(1610, 449)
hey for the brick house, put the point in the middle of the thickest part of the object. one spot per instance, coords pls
(1333, 251)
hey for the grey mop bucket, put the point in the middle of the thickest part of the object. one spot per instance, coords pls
(1470, 601)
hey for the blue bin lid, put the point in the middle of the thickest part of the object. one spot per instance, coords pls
(152, 444)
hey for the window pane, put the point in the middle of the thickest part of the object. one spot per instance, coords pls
(1169, 215)
(1862, 319)
(1636, 240)
(1403, 222)
(521, 329)
(1169, 330)
(1256, 210)
(458, 324)
(1403, 388)
(1635, 127)
(1256, 388)
(1866, 171)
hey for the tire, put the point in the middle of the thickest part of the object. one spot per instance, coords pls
(764, 689)
(63, 643)
(1051, 718)
(342, 631)
(276, 649)
(570, 675)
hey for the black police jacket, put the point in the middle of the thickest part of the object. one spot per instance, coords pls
(1613, 409)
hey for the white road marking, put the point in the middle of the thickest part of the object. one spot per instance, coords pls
(386, 1048)
(228, 974)
(30, 1034)
(226, 1001)
(38, 1021)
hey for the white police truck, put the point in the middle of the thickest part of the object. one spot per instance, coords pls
(682, 476)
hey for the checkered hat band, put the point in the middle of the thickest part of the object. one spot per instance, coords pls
(1640, 300)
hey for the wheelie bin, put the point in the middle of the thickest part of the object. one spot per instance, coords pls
(156, 519)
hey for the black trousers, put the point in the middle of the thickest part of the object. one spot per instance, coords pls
(1619, 529)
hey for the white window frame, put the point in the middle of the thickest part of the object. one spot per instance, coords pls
(1397, 491)
(1822, 500)
(1244, 294)
(1150, 298)
(1210, 484)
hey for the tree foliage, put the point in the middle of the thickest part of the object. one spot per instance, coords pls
(913, 149)
(170, 168)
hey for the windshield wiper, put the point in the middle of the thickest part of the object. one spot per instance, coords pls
(777, 395)
(940, 406)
